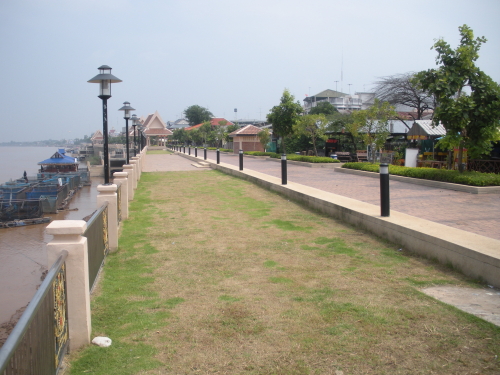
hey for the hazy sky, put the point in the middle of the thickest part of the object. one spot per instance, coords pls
(220, 54)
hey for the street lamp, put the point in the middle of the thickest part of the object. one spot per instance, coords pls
(134, 124)
(126, 108)
(105, 79)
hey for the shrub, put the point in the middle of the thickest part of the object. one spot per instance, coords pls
(308, 159)
(443, 175)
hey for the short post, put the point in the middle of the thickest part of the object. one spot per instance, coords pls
(384, 189)
(195, 151)
(134, 164)
(107, 193)
(68, 236)
(121, 178)
(130, 180)
(189, 150)
(218, 156)
(283, 169)
(241, 160)
(184, 148)
(204, 153)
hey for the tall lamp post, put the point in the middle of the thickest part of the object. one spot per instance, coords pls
(126, 115)
(134, 124)
(105, 79)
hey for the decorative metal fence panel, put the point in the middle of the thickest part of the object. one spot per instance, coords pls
(38, 342)
(97, 242)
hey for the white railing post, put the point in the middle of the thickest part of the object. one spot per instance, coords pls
(121, 177)
(68, 236)
(130, 170)
(107, 193)
(136, 172)
(139, 165)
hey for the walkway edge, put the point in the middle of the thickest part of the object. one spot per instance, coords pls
(430, 183)
(474, 255)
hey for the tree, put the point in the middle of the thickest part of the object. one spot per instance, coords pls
(205, 130)
(196, 114)
(400, 89)
(195, 136)
(180, 135)
(284, 116)
(324, 108)
(314, 127)
(264, 137)
(372, 124)
(468, 99)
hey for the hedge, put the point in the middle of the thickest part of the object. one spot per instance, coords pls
(466, 178)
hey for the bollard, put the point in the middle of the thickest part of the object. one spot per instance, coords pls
(283, 169)
(204, 153)
(184, 149)
(218, 156)
(189, 150)
(241, 160)
(384, 189)
(195, 152)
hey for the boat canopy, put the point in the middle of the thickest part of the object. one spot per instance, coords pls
(59, 158)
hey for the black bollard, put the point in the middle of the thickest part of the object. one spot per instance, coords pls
(195, 152)
(204, 153)
(189, 150)
(384, 189)
(283, 169)
(218, 156)
(184, 149)
(241, 160)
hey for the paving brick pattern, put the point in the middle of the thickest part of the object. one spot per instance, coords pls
(477, 213)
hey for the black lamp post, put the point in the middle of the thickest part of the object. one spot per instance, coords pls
(134, 124)
(105, 79)
(127, 108)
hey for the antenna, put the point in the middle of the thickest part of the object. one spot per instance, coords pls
(336, 85)
(342, 72)
(350, 84)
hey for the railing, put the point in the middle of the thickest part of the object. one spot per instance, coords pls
(485, 166)
(38, 342)
(97, 242)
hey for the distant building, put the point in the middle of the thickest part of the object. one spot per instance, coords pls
(178, 124)
(344, 103)
(154, 126)
(214, 122)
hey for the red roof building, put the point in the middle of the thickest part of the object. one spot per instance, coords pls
(246, 139)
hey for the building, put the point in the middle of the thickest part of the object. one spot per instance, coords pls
(154, 126)
(246, 139)
(178, 124)
(343, 102)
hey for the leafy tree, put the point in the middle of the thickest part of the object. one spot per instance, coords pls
(220, 133)
(324, 108)
(471, 117)
(400, 89)
(229, 130)
(314, 127)
(372, 124)
(284, 116)
(180, 135)
(196, 114)
(195, 136)
(205, 130)
(264, 137)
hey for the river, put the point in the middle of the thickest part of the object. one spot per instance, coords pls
(23, 256)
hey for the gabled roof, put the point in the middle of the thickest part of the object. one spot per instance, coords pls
(154, 121)
(214, 122)
(246, 130)
(59, 158)
(421, 129)
(97, 135)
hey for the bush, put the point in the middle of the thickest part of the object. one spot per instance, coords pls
(259, 153)
(308, 159)
(443, 175)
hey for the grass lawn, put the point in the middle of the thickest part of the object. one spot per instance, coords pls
(216, 275)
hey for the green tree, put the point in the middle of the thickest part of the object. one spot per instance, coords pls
(264, 138)
(372, 124)
(468, 100)
(205, 131)
(180, 135)
(323, 108)
(284, 116)
(229, 130)
(195, 136)
(313, 127)
(196, 114)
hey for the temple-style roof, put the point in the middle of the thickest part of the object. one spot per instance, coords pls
(59, 158)
(154, 125)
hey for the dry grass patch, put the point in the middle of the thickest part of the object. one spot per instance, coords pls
(261, 285)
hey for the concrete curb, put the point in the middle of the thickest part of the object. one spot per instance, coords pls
(474, 255)
(430, 183)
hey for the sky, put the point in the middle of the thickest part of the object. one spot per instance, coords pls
(219, 54)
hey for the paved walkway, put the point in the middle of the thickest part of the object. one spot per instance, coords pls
(477, 213)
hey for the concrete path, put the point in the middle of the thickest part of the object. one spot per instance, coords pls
(476, 213)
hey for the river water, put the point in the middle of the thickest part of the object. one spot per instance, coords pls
(23, 256)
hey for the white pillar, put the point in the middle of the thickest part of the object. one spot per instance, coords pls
(68, 236)
(139, 166)
(136, 173)
(130, 179)
(121, 178)
(107, 193)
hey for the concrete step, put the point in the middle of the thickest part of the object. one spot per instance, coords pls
(201, 165)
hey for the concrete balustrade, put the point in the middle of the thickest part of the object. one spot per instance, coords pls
(107, 193)
(133, 163)
(68, 236)
(122, 178)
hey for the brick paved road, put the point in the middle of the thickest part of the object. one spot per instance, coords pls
(470, 212)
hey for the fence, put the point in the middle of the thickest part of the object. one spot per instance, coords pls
(485, 166)
(97, 242)
(38, 342)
